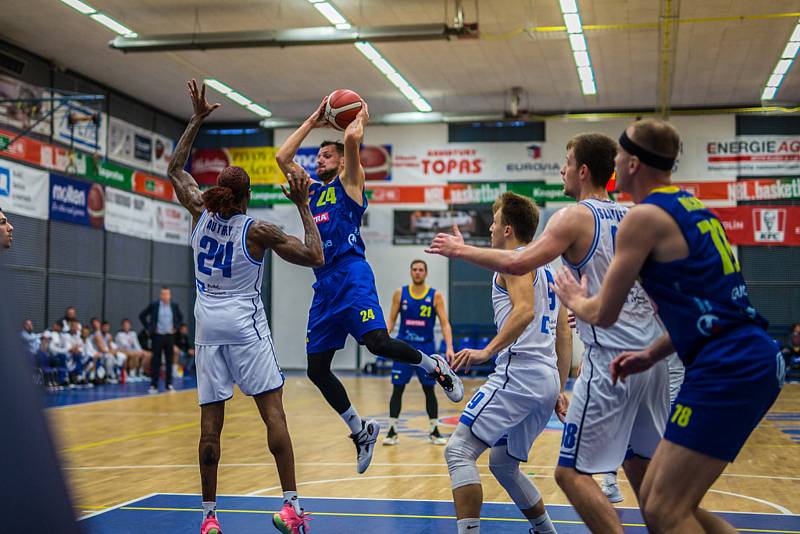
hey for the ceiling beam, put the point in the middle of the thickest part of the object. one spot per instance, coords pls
(668, 43)
(324, 35)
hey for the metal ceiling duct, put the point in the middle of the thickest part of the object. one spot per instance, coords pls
(323, 35)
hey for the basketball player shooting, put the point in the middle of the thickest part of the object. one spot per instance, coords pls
(345, 298)
(233, 339)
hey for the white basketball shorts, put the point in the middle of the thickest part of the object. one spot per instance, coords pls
(253, 366)
(514, 405)
(608, 423)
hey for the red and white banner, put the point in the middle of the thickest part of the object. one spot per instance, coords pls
(753, 155)
(761, 225)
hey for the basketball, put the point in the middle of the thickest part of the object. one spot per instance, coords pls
(96, 205)
(377, 162)
(342, 107)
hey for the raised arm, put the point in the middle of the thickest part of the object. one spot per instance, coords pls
(186, 188)
(635, 240)
(287, 151)
(559, 234)
(264, 236)
(395, 311)
(353, 177)
(520, 290)
(444, 322)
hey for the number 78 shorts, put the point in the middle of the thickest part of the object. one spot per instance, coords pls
(608, 423)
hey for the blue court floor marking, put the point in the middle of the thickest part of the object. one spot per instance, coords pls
(71, 397)
(180, 514)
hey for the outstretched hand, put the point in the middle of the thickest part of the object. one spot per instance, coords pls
(446, 244)
(568, 289)
(298, 180)
(201, 107)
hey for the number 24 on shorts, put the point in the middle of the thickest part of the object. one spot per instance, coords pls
(367, 315)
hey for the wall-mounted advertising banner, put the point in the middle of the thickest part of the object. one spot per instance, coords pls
(487, 193)
(259, 162)
(418, 227)
(153, 186)
(162, 153)
(173, 224)
(76, 202)
(761, 225)
(140, 148)
(376, 160)
(23, 190)
(742, 190)
(481, 162)
(23, 115)
(754, 155)
(129, 214)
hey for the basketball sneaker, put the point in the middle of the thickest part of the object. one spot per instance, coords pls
(288, 522)
(210, 526)
(611, 491)
(365, 443)
(391, 438)
(436, 438)
(447, 378)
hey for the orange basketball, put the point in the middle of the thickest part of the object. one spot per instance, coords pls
(342, 107)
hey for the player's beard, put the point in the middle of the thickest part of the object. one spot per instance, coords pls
(327, 176)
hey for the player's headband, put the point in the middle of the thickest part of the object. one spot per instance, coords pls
(656, 161)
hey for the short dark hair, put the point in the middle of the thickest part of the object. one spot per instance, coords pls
(165, 287)
(597, 152)
(338, 144)
(520, 213)
(125, 320)
(420, 261)
(657, 136)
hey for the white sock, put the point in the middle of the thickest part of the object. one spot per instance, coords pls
(434, 423)
(209, 509)
(393, 423)
(352, 419)
(470, 525)
(610, 478)
(543, 525)
(428, 363)
(291, 498)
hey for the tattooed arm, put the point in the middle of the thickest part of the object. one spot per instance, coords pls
(186, 188)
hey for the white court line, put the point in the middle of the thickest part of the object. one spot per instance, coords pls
(406, 500)
(115, 507)
(349, 464)
(781, 509)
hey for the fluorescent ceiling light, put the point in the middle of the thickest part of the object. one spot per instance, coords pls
(397, 80)
(796, 33)
(791, 50)
(330, 13)
(775, 80)
(588, 87)
(259, 110)
(782, 66)
(769, 93)
(316, 1)
(80, 7)
(368, 50)
(383, 66)
(238, 97)
(343, 26)
(577, 42)
(568, 6)
(422, 105)
(582, 59)
(409, 92)
(573, 23)
(112, 24)
(218, 86)
(585, 73)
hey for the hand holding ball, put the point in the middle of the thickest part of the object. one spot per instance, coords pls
(342, 107)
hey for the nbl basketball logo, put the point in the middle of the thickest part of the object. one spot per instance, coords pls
(769, 225)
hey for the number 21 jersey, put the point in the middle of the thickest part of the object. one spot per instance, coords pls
(228, 309)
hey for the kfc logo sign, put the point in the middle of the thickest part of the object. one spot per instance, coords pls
(769, 225)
